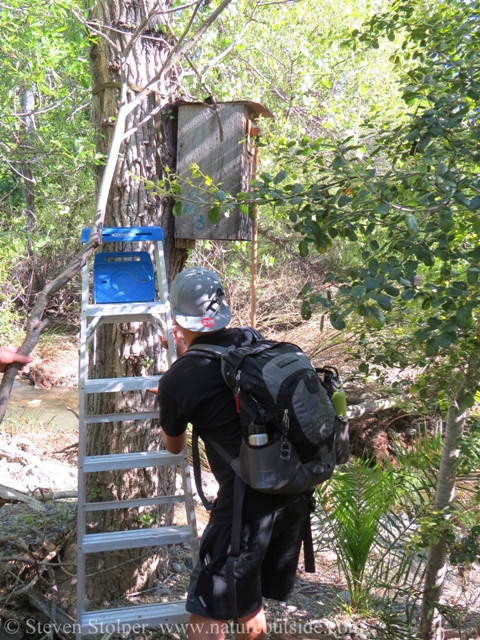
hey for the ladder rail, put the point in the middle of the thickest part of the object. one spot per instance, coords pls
(163, 286)
(93, 315)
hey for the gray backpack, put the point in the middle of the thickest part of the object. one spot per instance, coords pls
(291, 435)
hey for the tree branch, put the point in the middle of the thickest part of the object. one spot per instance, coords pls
(177, 53)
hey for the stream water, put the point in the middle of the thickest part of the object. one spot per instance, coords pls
(47, 407)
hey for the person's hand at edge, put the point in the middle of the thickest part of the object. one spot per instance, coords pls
(178, 341)
(9, 355)
(179, 344)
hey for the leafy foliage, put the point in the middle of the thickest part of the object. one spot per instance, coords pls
(407, 193)
(371, 537)
(45, 135)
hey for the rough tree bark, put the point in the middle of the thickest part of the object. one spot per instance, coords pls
(430, 621)
(129, 349)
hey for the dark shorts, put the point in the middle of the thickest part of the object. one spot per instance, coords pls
(266, 566)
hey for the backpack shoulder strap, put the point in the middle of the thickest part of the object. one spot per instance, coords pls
(197, 471)
(208, 350)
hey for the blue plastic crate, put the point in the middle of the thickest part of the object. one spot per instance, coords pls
(123, 277)
(127, 234)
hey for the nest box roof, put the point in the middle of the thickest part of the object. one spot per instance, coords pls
(256, 109)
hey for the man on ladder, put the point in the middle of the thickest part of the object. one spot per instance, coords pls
(272, 526)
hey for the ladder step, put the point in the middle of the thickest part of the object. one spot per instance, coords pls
(137, 383)
(133, 308)
(137, 460)
(120, 620)
(121, 417)
(136, 538)
(108, 505)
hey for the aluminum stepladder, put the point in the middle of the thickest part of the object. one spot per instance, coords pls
(93, 315)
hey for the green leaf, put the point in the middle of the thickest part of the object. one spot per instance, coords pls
(363, 368)
(411, 222)
(337, 323)
(280, 177)
(305, 289)
(446, 221)
(382, 209)
(391, 290)
(343, 200)
(358, 291)
(306, 310)
(177, 209)
(375, 318)
(474, 203)
(297, 188)
(444, 340)
(472, 274)
(373, 266)
(318, 297)
(431, 347)
(303, 248)
(464, 318)
(214, 215)
(383, 301)
(370, 283)
(221, 195)
(409, 294)
(337, 163)
(422, 334)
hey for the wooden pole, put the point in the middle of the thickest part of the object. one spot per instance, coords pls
(253, 301)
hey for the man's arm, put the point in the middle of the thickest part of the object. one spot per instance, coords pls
(175, 444)
(9, 355)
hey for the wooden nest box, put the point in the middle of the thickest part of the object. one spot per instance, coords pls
(220, 141)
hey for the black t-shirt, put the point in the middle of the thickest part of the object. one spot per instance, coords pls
(193, 390)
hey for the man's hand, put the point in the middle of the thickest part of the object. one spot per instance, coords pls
(9, 355)
(178, 341)
(179, 345)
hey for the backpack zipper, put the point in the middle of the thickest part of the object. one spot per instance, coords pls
(286, 447)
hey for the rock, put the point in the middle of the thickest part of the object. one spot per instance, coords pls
(393, 434)
(344, 627)
(162, 591)
(186, 546)
(411, 432)
(347, 636)
(322, 626)
(178, 567)
(345, 596)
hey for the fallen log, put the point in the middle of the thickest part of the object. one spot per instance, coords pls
(44, 495)
(358, 410)
(12, 496)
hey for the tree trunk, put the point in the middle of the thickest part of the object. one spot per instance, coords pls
(430, 621)
(129, 349)
(35, 283)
